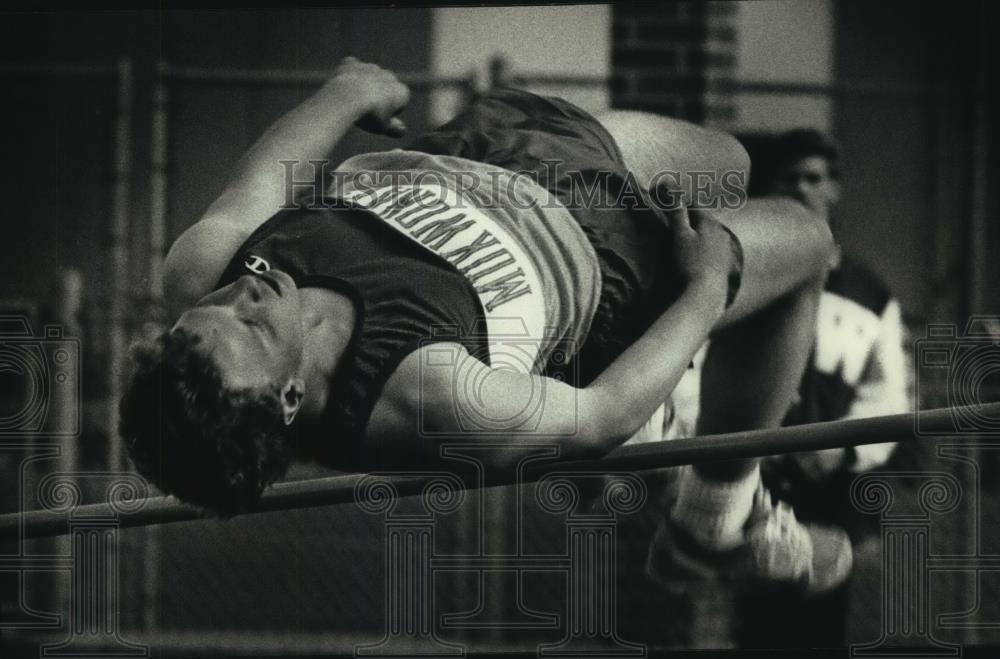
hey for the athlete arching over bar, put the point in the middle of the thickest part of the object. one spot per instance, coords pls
(314, 329)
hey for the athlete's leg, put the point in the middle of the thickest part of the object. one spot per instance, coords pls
(784, 245)
(751, 374)
(759, 349)
(761, 345)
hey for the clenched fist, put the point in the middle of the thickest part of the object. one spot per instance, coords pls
(379, 92)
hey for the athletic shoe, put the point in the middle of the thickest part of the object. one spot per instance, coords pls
(777, 549)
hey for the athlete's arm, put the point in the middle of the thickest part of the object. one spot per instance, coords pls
(586, 422)
(357, 94)
(442, 391)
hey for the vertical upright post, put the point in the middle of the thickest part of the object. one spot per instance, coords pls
(499, 72)
(979, 259)
(66, 411)
(471, 87)
(939, 303)
(158, 184)
(159, 150)
(979, 174)
(120, 262)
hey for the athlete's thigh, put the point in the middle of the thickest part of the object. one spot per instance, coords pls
(784, 245)
(784, 248)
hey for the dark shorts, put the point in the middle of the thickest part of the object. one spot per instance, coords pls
(527, 133)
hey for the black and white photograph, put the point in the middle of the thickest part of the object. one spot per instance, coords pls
(595, 330)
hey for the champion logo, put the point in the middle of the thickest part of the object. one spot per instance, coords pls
(257, 264)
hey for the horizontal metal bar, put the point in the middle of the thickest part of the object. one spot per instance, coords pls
(103, 71)
(557, 80)
(840, 89)
(336, 490)
(287, 77)
(857, 89)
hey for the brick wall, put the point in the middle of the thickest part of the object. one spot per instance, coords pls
(675, 58)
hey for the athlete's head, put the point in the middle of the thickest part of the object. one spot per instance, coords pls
(806, 169)
(206, 413)
(252, 330)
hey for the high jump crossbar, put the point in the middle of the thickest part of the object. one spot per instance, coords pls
(336, 490)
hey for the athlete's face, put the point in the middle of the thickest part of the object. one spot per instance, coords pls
(252, 329)
(810, 181)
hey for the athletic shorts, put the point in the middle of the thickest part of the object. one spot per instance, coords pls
(569, 153)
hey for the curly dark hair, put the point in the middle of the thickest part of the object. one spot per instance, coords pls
(771, 154)
(215, 447)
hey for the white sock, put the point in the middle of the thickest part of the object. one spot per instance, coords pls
(714, 512)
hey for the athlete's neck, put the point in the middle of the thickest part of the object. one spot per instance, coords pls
(327, 324)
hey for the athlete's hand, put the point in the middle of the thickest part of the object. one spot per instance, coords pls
(379, 92)
(704, 251)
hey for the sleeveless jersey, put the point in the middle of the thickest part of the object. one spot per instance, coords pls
(500, 267)
(535, 271)
(402, 300)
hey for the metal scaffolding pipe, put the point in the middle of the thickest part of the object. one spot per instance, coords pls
(158, 189)
(337, 490)
(120, 262)
(56, 70)
(504, 74)
(287, 77)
